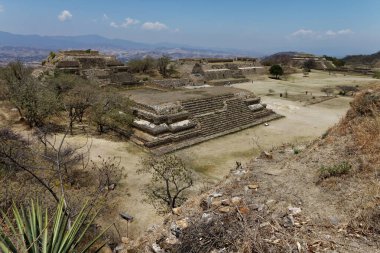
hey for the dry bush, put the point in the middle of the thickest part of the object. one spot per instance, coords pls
(235, 232)
(362, 123)
(367, 221)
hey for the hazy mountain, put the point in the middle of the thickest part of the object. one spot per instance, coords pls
(65, 42)
(372, 60)
(31, 48)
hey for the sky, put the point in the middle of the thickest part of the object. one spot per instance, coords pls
(335, 27)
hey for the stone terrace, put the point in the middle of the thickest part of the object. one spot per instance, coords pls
(170, 120)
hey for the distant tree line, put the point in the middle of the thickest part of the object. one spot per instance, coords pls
(337, 62)
(149, 65)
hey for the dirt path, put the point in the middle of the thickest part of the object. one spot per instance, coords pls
(216, 157)
(129, 197)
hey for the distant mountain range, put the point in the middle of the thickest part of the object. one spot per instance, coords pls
(67, 42)
(372, 60)
(36, 47)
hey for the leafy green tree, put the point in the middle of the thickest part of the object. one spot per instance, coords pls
(112, 112)
(276, 71)
(162, 66)
(337, 62)
(34, 100)
(170, 179)
(144, 65)
(34, 232)
(309, 64)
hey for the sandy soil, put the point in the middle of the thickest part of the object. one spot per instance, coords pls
(296, 83)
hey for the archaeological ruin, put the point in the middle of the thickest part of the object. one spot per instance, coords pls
(174, 113)
(170, 120)
(100, 68)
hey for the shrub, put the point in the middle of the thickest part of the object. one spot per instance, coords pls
(30, 230)
(325, 134)
(335, 170)
(52, 55)
(376, 75)
(276, 71)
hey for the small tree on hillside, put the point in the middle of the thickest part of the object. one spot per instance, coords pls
(170, 180)
(309, 64)
(162, 65)
(276, 71)
(144, 65)
(34, 100)
(112, 112)
(328, 90)
(76, 102)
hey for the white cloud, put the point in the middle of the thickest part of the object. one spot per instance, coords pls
(128, 22)
(340, 32)
(105, 17)
(65, 15)
(157, 26)
(114, 25)
(125, 24)
(303, 32)
(345, 31)
(330, 33)
(1, 8)
(307, 33)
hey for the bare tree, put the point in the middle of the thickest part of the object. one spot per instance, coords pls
(170, 179)
(76, 102)
(328, 90)
(34, 100)
(109, 172)
(112, 112)
(162, 65)
(16, 154)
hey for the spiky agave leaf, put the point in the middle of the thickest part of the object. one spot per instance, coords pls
(33, 231)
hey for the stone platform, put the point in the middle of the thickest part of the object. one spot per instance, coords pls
(170, 120)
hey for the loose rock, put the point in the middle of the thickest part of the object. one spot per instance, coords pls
(224, 209)
(157, 249)
(177, 211)
(206, 217)
(183, 223)
(236, 201)
(294, 210)
(216, 194)
(253, 186)
(226, 202)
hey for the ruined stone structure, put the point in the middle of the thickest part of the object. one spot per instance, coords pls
(172, 120)
(103, 69)
(174, 83)
(320, 62)
(226, 71)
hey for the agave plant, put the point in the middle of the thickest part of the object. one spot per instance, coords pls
(33, 232)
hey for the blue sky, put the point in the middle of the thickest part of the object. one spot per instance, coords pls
(335, 27)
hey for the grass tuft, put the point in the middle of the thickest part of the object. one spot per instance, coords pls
(335, 170)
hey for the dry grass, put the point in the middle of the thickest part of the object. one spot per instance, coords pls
(362, 124)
